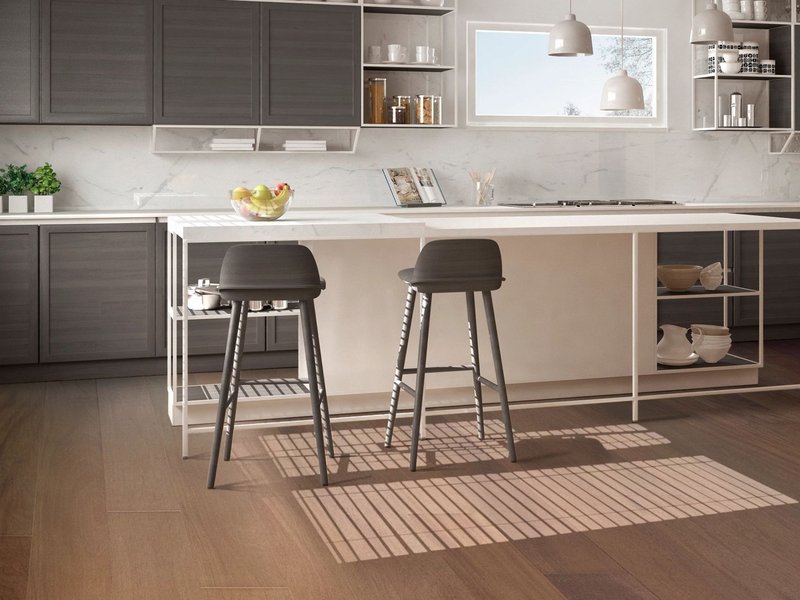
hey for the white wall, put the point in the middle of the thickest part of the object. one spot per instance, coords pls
(103, 167)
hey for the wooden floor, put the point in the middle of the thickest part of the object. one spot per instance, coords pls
(96, 503)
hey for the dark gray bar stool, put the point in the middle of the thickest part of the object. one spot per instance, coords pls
(451, 266)
(274, 272)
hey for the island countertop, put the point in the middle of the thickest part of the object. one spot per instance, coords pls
(312, 225)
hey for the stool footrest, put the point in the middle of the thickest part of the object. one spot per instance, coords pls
(490, 384)
(440, 369)
(407, 388)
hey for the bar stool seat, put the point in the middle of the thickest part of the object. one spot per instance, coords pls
(451, 266)
(270, 272)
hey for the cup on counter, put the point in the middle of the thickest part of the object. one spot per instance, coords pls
(396, 53)
(760, 10)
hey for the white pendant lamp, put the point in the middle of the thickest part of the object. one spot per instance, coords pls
(711, 26)
(622, 92)
(570, 37)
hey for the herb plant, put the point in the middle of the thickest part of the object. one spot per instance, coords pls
(44, 181)
(3, 182)
(17, 179)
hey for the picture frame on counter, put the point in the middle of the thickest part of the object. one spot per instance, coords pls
(414, 186)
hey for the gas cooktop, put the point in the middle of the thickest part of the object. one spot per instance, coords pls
(578, 203)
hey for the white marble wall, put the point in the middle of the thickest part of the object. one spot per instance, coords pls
(105, 167)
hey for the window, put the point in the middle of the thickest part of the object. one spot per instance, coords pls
(512, 82)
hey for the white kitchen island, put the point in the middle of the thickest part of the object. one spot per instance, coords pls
(576, 317)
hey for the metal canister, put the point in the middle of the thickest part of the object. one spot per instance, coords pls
(736, 106)
(397, 115)
(377, 100)
(428, 110)
(404, 101)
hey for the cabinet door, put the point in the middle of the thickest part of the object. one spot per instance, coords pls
(282, 333)
(19, 61)
(19, 302)
(97, 292)
(205, 337)
(207, 62)
(310, 57)
(97, 61)
(781, 277)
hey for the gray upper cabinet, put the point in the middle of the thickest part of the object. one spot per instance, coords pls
(207, 62)
(98, 289)
(310, 57)
(19, 314)
(97, 61)
(19, 61)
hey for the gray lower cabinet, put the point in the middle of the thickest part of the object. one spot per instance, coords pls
(19, 61)
(19, 314)
(310, 60)
(97, 292)
(97, 61)
(781, 277)
(282, 333)
(207, 64)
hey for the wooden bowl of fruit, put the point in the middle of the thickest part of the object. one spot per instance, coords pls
(261, 203)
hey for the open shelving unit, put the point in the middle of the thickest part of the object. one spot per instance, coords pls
(413, 25)
(723, 293)
(197, 139)
(774, 96)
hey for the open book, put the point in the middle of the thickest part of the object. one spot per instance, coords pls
(414, 186)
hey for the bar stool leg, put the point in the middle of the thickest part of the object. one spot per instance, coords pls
(476, 364)
(313, 386)
(323, 393)
(501, 380)
(421, 360)
(227, 369)
(405, 330)
(233, 403)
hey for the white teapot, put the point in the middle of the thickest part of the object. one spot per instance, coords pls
(674, 346)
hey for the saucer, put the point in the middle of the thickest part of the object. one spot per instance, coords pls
(678, 362)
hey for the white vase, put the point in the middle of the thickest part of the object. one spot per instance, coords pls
(674, 345)
(19, 204)
(43, 203)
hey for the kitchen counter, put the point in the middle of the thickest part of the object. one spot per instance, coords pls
(577, 315)
(148, 215)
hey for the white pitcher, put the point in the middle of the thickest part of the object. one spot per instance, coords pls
(674, 344)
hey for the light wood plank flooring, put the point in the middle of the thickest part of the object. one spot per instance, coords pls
(696, 501)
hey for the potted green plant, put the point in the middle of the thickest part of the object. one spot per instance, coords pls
(19, 181)
(45, 184)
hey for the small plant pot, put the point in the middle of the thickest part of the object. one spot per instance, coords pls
(19, 204)
(3, 204)
(43, 204)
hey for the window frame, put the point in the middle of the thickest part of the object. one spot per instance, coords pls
(658, 122)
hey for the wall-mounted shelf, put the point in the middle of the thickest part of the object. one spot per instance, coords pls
(413, 25)
(697, 291)
(408, 9)
(198, 139)
(774, 96)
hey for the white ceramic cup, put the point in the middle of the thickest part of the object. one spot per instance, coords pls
(760, 10)
(374, 54)
(425, 55)
(396, 53)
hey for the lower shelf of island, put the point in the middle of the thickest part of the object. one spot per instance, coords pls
(731, 361)
(252, 390)
(697, 291)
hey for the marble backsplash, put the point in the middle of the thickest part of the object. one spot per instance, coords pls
(113, 167)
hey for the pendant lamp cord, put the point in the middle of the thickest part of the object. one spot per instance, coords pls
(621, 31)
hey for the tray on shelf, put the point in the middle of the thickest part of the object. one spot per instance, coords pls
(731, 361)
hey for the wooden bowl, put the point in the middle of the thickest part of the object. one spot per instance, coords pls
(678, 278)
